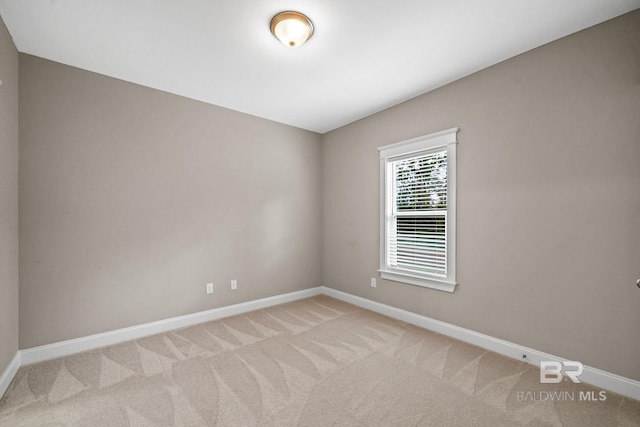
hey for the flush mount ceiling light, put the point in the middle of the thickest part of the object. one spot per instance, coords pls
(291, 28)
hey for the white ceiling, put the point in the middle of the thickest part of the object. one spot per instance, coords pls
(365, 55)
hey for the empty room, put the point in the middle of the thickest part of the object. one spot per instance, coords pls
(319, 213)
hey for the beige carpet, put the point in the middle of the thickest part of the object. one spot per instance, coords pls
(315, 362)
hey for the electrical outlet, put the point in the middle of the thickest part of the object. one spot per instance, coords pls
(209, 288)
(373, 282)
(234, 284)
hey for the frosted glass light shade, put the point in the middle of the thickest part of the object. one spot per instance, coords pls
(291, 28)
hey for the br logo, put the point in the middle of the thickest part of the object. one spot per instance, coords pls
(552, 372)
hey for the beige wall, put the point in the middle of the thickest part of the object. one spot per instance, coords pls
(132, 199)
(8, 198)
(548, 198)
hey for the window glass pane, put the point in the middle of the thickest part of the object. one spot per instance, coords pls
(420, 183)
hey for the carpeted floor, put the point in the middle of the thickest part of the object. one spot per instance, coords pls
(314, 362)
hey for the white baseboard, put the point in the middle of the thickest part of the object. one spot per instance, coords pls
(9, 373)
(77, 345)
(606, 380)
(616, 383)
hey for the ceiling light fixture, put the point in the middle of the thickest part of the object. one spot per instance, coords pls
(291, 28)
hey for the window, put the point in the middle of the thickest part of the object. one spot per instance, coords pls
(418, 217)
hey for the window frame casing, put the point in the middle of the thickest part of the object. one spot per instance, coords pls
(416, 147)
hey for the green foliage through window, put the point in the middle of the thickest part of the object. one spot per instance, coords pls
(421, 183)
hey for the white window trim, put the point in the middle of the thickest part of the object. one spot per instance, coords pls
(448, 139)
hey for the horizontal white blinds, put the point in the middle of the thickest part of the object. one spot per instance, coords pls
(418, 222)
(419, 243)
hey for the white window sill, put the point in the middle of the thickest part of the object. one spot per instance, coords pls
(441, 285)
